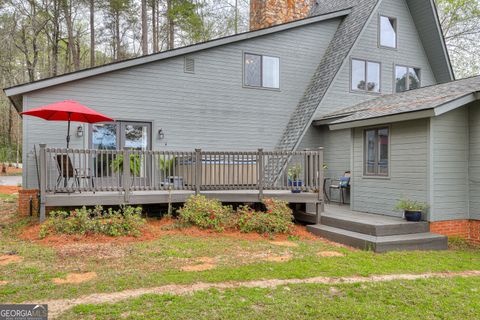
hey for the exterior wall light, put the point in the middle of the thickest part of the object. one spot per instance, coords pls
(80, 131)
(161, 135)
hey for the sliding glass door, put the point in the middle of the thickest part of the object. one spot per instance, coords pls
(131, 135)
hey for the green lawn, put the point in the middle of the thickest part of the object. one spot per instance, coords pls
(457, 298)
(159, 262)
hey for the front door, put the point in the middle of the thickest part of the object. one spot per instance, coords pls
(107, 137)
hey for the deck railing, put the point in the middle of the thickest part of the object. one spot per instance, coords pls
(86, 170)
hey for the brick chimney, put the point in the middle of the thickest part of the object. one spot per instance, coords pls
(266, 13)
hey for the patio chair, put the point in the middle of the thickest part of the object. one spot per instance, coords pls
(342, 185)
(66, 171)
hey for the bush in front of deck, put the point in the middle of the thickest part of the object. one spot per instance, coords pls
(206, 213)
(127, 221)
(277, 218)
(211, 214)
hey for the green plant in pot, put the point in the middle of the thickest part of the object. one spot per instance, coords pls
(135, 163)
(294, 181)
(412, 209)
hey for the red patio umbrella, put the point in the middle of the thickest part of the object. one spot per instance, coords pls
(67, 110)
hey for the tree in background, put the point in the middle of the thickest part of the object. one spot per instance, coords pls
(460, 21)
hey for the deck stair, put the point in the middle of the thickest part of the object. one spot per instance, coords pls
(374, 232)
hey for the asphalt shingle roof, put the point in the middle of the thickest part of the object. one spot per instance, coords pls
(410, 101)
(337, 51)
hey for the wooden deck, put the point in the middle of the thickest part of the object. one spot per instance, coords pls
(84, 177)
(174, 196)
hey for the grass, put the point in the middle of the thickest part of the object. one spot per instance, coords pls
(456, 298)
(158, 262)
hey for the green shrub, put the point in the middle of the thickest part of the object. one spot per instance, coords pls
(205, 213)
(125, 221)
(410, 205)
(278, 218)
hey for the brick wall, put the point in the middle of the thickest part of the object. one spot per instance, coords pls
(475, 231)
(24, 196)
(465, 229)
(267, 13)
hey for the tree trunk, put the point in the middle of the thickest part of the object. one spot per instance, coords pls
(71, 41)
(92, 33)
(154, 26)
(10, 124)
(144, 28)
(117, 35)
(170, 26)
(55, 36)
(236, 17)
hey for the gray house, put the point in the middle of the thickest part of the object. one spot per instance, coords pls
(370, 81)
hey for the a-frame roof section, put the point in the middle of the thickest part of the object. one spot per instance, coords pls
(14, 91)
(343, 41)
(425, 16)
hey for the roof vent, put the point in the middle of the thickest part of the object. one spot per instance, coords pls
(189, 66)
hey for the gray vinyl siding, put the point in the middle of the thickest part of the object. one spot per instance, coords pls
(409, 52)
(209, 109)
(408, 170)
(474, 160)
(337, 149)
(431, 38)
(449, 146)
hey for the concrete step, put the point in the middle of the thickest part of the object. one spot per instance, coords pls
(374, 225)
(415, 241)
(305, 217)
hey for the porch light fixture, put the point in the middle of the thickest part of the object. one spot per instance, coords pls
(80, 131)
(161, 135)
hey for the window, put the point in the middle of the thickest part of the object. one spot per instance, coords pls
(376, 151)
(406, 78)
(261, 71)
(365, 76)
(388, 32)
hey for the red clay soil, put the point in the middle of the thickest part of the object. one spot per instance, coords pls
(154, 230)
(9, 189)
(12, 170)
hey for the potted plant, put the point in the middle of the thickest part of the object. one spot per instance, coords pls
(294, 178)
(117, 164)
(412, 209)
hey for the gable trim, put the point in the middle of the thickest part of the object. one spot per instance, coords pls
(385, 119)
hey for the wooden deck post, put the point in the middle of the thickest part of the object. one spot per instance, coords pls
(43, 179)
(320, 184)
(198, 170)
(261, 173)
(126, 175)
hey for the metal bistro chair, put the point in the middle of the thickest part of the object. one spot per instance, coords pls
(66, 171)
(342, 185)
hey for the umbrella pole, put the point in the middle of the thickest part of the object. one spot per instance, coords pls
(65, 182)
(68, 130)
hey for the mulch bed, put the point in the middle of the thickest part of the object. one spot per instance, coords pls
(154, 230)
